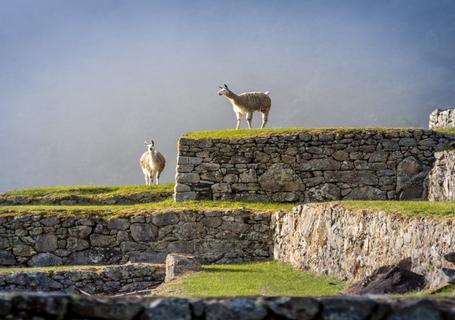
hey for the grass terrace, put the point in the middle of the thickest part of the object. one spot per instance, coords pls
(270, 278)
(407, 208)
(128, 210)
(88, 191)
(266, 132)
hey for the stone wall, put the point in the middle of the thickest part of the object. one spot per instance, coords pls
(93, 280)
(52, 306)
(308, 167)
(330, 239)
(442, 177)
(442, 118)
(212, 236)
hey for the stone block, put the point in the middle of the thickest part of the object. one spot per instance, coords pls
(178, 264)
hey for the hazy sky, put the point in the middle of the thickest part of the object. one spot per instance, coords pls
(84, 83)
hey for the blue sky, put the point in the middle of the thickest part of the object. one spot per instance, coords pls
(84, 83)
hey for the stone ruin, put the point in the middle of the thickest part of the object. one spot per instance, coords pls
(442, 119)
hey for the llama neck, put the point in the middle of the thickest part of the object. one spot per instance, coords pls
(232, 97)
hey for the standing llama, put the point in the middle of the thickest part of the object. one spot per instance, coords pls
(247, 103)
(152, 163)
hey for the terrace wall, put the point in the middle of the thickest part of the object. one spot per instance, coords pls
(309, 166)
(51, 306)
(351, 244)
(212, 236)
(115, 279)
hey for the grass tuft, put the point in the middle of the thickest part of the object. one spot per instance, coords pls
(270, 278)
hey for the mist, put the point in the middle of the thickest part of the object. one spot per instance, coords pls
(84, 83)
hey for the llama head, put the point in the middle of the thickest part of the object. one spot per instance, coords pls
(224, 91)
(150, 145)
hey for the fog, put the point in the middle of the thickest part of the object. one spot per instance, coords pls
(84, 83)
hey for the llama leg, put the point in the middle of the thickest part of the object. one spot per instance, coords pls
(157, 178)
(238, 115)
(249, 118)
(146, 176)
(265, 117)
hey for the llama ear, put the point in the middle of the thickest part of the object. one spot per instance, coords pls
(145, 142)
(220, 87)
(225, 85)
(152, 143)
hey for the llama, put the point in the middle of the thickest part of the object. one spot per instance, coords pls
(152, 163)
(247, 103)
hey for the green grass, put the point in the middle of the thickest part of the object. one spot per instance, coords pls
(411, 208)
(445, 130)
(249, 133)
(137, 209)
(88, 191)
(270, 278)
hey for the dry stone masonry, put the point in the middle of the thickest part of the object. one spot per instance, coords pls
(351, 244)
(58, 306)
(212, 236)
(442, 118)
(442, 177)
(116, 279)
(308, 167)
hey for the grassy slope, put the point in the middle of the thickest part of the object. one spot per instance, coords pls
(423, 208)
(88, 191)
(118, 210)
(271, 278)
(249, 133)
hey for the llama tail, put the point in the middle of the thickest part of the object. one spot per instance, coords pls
(267, 93)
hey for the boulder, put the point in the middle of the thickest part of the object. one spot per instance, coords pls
(280, 177)
(178, 264)
(45, 260)
(389, 279)
(7, 258)
(46, 243)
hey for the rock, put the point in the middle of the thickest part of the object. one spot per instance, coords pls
(164, 218)
(450, 274)
(118, 224)
(143, 232)
(235, 309)
(441, 180)
(389, 279)
(326, 192)
(337, 308)
(7, 258)
(167, 309)
(187, 178)
(101, 240)
(46, 243)
(321, 164)
(178, 264)
(293, 308)
(366, 193)
(421, 310)
(117, 309)
(280, 177)
(45, 260)
(450, 257)
(23, 250)
(442, 118)
(410, 179)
